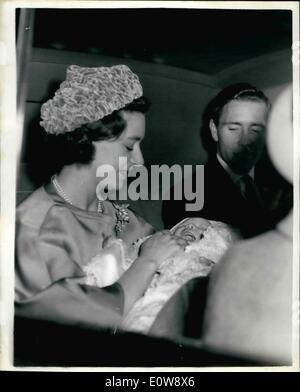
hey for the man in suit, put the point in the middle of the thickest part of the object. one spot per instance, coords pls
(233, 132)
(249, 310)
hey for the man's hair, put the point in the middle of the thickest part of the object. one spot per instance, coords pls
(237, 91)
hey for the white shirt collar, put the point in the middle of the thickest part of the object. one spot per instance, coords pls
(235, 177)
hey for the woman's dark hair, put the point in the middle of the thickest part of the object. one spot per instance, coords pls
(77, 146)
(238, 91)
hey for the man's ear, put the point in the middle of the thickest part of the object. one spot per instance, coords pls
(213, 130)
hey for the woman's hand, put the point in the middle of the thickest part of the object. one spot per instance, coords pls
(160, 246)
(153, 252)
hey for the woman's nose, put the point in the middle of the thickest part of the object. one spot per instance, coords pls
(137, 157)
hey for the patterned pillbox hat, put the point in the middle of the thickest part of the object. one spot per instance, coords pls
(88, 94)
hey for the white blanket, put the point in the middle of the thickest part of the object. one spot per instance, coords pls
(197, 259)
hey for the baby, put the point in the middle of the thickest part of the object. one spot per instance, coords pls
(205, 243)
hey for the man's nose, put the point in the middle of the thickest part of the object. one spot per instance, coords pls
(248, 136)
(245, 132)
(137, 157)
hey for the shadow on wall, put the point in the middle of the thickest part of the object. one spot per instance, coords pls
(38, 158)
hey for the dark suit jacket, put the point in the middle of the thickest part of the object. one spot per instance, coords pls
(223, 202)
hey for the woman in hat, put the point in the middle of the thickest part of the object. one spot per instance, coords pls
(95, 118)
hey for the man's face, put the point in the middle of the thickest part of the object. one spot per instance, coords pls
(240, 134)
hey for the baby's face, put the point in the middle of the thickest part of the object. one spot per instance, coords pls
(192, 229)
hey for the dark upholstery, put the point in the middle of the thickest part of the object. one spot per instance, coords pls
(42, 343)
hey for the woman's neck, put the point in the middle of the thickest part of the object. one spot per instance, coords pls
(78, 184)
